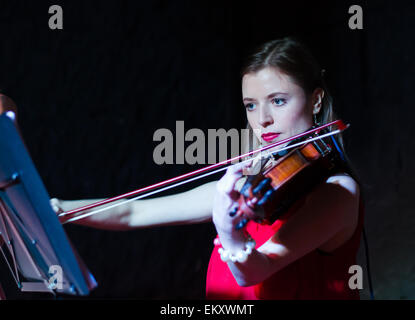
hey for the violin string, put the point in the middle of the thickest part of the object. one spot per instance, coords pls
(87, 214)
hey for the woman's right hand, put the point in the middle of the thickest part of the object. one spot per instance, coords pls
(56, 205)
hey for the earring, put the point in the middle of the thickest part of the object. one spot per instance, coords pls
(315, 119)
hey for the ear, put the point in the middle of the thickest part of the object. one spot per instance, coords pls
(317, 100)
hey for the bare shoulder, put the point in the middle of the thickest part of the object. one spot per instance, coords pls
(346, 182)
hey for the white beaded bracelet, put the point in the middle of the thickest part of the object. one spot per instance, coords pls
(240, 256)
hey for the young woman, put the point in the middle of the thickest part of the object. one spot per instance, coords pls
(307, 253)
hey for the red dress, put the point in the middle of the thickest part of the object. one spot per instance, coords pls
(2, 295)
(317, 275)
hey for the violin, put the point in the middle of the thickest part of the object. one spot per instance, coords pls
(286, 176)
(264, 196)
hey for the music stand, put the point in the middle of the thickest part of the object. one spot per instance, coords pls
(36, 241)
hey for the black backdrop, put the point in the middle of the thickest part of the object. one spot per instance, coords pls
(90, 97)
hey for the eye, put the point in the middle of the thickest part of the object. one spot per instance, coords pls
(278, 101)
(250, 106)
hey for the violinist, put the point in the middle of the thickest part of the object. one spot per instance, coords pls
(307, 252)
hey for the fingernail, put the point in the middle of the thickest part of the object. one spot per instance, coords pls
(233, 212)
(241, 224)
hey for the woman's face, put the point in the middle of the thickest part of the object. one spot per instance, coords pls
(276, 107)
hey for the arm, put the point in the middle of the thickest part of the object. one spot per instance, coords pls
(193, 206)
(328, 216)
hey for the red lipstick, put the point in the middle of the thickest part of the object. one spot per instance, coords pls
(270, 136)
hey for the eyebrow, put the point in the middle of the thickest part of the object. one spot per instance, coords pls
(268, 96)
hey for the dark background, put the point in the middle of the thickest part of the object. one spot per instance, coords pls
(90, 97)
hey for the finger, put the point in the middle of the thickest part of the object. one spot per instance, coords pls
(239, 167)
(227, 183)
(56, 205)
(241, 224)
(233, 211)
(227, 188)
(233, 174)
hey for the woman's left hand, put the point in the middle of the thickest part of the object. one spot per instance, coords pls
(226, 199)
